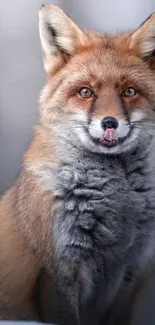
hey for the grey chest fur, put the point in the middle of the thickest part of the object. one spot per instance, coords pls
(103, 227)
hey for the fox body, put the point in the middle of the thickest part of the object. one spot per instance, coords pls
(79, 222)
(101, 237)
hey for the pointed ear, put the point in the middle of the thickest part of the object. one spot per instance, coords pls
(143, 39)
(60, 37)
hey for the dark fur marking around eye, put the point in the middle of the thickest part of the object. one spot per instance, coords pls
(92, 110)
(124, 109)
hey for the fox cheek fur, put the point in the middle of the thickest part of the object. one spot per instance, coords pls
(79, 221)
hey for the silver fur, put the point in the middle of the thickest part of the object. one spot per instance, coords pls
(103, 227)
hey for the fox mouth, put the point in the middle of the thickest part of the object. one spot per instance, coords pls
(113, 141)
(110, 137)
(109, 143)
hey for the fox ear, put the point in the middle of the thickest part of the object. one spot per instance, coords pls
(143, 39)
(60, 37)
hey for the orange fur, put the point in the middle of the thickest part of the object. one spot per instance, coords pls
(26, 209)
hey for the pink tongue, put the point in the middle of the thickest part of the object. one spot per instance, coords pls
(110, 135)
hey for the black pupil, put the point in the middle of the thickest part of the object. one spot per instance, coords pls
(85, 92)
(130, 91)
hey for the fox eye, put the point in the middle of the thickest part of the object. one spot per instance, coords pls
(85, 92)
(129, 92)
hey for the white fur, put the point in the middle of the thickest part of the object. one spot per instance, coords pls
(97, 132)
(123, 128)
(144, 37)
(137, 116)
(95, 129)
(68, 35)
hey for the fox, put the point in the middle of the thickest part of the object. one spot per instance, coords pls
(77, 235)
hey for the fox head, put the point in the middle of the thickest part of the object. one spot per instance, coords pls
(101, 88)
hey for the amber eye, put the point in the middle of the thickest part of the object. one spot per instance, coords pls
(129, 92)
(85, 92)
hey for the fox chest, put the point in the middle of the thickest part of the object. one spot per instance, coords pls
(97, 219)
(95, 216)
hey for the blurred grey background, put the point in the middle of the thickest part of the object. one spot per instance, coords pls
(22, 77)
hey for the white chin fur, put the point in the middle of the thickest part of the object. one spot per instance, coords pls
(96, 132)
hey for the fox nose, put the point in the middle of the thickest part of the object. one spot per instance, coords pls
(109, 122)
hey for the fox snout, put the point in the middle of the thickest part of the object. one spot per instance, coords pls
(109, 130)
(109, 124)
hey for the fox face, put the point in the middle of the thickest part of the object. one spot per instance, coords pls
(101, 89)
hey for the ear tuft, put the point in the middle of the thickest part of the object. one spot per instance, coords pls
(143, 39)
(59, 35)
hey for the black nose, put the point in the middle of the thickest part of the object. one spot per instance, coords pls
(109, 122)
